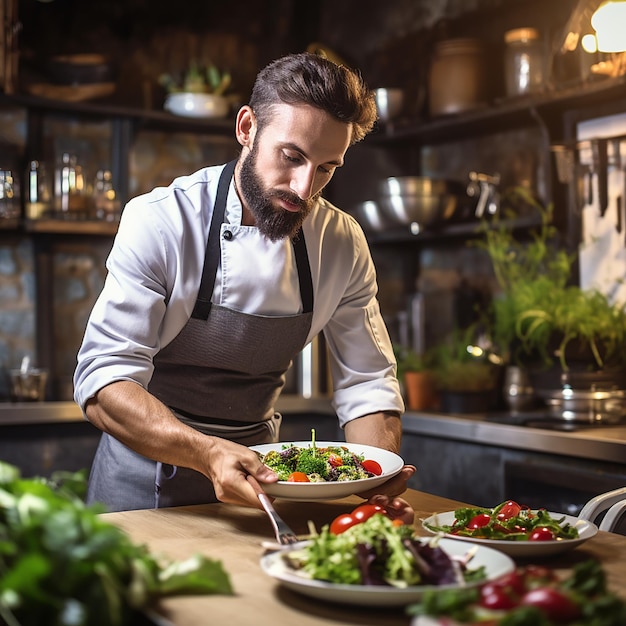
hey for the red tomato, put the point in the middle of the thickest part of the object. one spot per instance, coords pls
(335, 460)
(554, 603)
(341, 523)
(479, 521)
(541, 534)
(372, 466)
(298, 477)
(365, 511)
(493, 596)
(509, 510)
(514, 583)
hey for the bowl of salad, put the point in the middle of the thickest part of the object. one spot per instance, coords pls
(325, 470)
(512, 528)
(378, 562)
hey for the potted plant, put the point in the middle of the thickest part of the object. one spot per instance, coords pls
(466, 374)
(415, 373)
(541, 320)
(199, 92)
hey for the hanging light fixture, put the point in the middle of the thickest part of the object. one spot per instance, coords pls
(609, 22)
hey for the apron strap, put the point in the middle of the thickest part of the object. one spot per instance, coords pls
(211, 257)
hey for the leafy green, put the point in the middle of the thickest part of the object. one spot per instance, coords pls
(315, 462)
(599, 607)
(515, 528)
(62, 564)
(376, 551)
(539, 316)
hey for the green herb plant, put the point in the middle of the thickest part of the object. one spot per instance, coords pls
(62, 564)
(198, 79)
(460, 365)
(409, 360)
(538, 315)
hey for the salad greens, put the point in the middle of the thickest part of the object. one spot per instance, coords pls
(378, 552)
(334, 463)
(62, 564)
(535, 598)
(508, 521)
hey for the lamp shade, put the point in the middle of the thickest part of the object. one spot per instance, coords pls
(609, 22)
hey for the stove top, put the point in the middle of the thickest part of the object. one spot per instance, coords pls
(546, 419)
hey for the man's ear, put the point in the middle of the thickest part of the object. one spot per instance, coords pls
(245, 128)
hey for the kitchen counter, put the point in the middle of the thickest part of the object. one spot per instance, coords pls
(234, 535)
(20, 413)
(606, 443)
(603, 443)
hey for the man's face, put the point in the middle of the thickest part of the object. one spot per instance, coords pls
(288, 164)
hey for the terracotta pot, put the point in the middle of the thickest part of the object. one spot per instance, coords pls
(420, 390)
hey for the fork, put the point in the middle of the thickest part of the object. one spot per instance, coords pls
(284, 534)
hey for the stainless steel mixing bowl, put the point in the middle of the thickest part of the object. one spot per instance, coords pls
(421, 200)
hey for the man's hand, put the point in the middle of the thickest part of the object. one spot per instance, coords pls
(394, 486)
(236, 472)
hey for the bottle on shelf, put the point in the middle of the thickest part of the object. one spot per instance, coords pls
(105, 201)
(38, 201)
(70, 200)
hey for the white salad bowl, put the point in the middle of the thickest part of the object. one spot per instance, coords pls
(390, 463)
(197, 105)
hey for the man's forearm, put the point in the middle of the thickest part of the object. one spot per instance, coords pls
(383, 430)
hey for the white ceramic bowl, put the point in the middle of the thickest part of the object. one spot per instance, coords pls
(390, 463)
(196, 104)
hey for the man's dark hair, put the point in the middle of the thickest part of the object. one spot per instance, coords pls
(307, 78)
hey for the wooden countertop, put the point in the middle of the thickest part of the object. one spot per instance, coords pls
(234, 535)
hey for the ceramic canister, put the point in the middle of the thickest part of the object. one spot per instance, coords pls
(457, 80)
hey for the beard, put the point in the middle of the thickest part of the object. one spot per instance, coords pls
(273, 222)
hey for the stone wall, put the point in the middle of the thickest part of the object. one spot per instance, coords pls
(17, 306)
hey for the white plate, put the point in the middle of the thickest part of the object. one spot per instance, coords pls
(586, 530)
(390, 463)
(496, 565)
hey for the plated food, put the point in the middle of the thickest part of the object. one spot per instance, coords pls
(378, 562)
(514, 529)
(529, 596)
(383, 461)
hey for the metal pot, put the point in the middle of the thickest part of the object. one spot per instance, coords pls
(592, 406)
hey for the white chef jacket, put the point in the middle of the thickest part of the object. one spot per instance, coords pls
(154, 271)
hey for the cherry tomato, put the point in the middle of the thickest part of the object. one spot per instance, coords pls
(341, 523)
(513, 582)
(554, 603)
(479, 521)
(365, 511)
(541, 534)
(298, 477)
(373, 467)
(493, 596)
(335, 460)
(509, 510)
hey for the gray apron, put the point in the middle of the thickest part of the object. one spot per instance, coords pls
(221, 375)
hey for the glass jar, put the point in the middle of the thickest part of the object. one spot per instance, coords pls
(69, 187)
(9, 196)
(524, 61)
